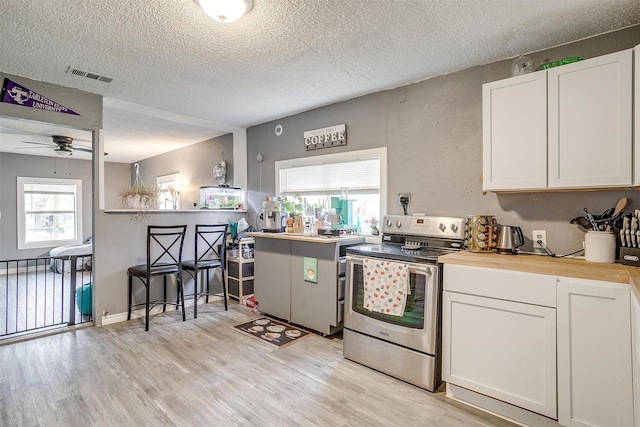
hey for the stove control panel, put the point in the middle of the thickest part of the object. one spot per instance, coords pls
(424, 225)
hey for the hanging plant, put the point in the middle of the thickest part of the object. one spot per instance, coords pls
(139, 197)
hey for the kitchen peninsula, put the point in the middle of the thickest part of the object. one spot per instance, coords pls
(301, 279)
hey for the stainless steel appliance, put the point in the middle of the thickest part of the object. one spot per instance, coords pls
(509, 240)
(406, 346)
(271, 216)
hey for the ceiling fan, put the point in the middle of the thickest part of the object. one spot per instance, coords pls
(62, 145)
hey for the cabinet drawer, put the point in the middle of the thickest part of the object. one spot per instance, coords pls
(234, 269)
(234, 286)
(530, 288)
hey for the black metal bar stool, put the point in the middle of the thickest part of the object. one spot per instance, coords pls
(210, 245)
(164, 257)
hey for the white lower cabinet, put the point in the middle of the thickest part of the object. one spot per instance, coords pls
(565, 349)
(502, 349)
(499, 348)
(594, 354)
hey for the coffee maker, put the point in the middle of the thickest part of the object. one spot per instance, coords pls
(271, 216)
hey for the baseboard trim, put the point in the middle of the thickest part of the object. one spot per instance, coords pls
(136, 314)
(498, 408)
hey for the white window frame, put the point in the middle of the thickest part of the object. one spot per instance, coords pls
(21, 223)
(161, 185)
(373, 153)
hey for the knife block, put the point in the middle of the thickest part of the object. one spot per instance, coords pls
(629, 256)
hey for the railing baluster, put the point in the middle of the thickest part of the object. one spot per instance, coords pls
(38, 307)
(72, 291)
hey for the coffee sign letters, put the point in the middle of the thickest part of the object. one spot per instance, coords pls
(326, 137)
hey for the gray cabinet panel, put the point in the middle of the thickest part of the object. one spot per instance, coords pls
(315, 305)
(272, 282)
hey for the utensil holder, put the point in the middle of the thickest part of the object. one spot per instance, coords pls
(600, 246)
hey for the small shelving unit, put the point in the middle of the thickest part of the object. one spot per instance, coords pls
(240, 270)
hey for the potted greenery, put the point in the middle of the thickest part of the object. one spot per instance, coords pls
(139, 197)
(293, 206)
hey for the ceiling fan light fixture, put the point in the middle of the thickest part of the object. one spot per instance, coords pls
(63, 152)
(226, 11)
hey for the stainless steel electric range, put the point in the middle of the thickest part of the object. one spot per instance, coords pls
(405, 344)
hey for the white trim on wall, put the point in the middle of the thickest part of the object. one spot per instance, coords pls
(21, 225)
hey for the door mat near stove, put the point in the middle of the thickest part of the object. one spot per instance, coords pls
(276, 334)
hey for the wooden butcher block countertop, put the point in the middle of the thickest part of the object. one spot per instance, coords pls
(302, 238)
(566, 267)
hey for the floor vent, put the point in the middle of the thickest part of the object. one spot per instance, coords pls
(87, 74)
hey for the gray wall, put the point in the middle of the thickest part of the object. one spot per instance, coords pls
(433, 134)
(89, 109)
(116, 177)
(122, 237)
(194, 163)
(14, 165)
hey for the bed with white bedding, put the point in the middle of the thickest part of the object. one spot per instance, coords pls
(61, 257)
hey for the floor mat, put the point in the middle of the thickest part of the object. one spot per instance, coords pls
(274, 333)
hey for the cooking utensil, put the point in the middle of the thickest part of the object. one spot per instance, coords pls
(581, 221)
(591, 220)
(623, 241)
(620, 206)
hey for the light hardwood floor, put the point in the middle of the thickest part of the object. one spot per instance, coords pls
(203, 372)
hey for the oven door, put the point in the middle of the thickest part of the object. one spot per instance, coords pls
(416, 328)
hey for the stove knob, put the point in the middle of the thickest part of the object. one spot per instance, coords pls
(389, 223)
(454, 228)
(398, 224)
(442, 227)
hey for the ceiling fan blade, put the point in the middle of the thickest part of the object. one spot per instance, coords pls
(80, 148)
(31, 148)
(46, 144)
(84, 148)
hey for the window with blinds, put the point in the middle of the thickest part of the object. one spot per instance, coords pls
(353, 182)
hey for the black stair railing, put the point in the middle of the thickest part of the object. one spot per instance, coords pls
(40, 293)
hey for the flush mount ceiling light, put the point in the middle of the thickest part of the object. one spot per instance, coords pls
(226, 11)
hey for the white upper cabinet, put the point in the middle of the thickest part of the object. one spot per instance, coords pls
(590, 122)
(514, 113)
(566, 127)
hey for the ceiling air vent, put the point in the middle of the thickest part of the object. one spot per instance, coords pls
(87, 74)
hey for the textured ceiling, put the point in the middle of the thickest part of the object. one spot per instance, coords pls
(286, 56)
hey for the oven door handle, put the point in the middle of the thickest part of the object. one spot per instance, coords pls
(427, 270)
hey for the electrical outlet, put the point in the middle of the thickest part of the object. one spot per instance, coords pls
(539, 235)
(406, 196)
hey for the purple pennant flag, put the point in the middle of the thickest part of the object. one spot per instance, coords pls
(13, 93)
